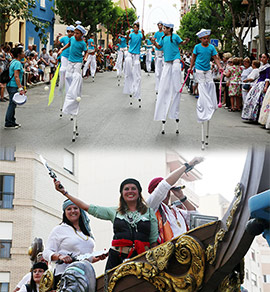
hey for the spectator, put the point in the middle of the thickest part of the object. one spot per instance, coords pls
(44, 61)
(28, 51)
(52, 63)
(246, 71)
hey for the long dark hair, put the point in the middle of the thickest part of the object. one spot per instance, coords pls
(171, 30)
(82, 227)
(141, 205)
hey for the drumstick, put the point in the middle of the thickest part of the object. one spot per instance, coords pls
(184, 83)
(220, 104)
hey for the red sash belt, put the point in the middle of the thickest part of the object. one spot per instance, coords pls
(137, 245)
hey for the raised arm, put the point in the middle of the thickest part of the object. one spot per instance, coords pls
(153, 40)
(216, 59)
(174, 176)
(65, 47)
(76, 201)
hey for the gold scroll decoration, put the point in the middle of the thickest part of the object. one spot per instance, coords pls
(187, 252)
(46, 281)
(211, 250)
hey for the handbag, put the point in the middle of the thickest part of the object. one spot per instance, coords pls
(246, 86)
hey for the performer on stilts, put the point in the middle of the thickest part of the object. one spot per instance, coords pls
(168, 99)
(91, 58)
(132, 84)
(64, 61)
(148, 55)
(74, 75)
(207, 102)
(121, 55)
(159, 59)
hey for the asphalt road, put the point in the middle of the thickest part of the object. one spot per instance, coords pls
(106, 120)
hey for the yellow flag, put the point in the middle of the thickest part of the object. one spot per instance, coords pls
(53, 83)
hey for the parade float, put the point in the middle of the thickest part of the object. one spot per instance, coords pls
(207, 258)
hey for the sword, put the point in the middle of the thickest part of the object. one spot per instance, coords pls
(51, 172)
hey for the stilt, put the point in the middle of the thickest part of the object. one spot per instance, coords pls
(93, 79)
(207, 133)
(148, 74)
(61, 115)
(140, 103)
(203, 147)
(130, 99)
(177, 126)
(118, 78)
(75, 129)
(163, 127)
(71, 118)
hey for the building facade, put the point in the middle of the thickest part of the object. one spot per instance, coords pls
(43, 11)
(29, 206)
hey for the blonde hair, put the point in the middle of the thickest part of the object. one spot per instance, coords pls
(247, 60)
(227, 55)
(236, 61)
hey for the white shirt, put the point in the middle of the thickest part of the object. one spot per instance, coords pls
(23, 289)
(246, 72)
(176, 217)
(64, 240)
(254, 75)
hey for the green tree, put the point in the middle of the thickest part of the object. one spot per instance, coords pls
(12, 10)
(120, 19)
(89, 12)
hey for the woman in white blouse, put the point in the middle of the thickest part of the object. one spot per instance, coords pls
(71, 238)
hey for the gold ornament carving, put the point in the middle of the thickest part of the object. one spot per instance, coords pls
(211, 250)
(46, 281)
(160, 255)
(187, 252)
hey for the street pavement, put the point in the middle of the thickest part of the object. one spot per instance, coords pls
(107, 121)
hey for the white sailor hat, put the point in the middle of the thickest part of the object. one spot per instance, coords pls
(81, 29)
(203, 32)
(170, 25)
(160, 22)
(70, 27)
(78, 22)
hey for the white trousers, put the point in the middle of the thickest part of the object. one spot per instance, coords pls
(207, 102)
(133, 73)
(91, 59)
(148, 60)
(62, 74)
(159, 63)
(119, 62)
(168, 99)
(73, 89)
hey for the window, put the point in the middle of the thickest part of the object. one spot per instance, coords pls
(5, 239)
(42, 3)
(69, 161)
(7, 153)
(4, 281)
(5, 246)
(247, 275)
(266, 278)
(6, 191)
(252, 254)
(254, 279)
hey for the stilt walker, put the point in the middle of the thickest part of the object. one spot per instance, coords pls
(122, 42)
(74, 75)
(159, 59)
(148, 55)
(132, 85)
(91, 60)
(168, 99)
(207, 102)
(64, 62)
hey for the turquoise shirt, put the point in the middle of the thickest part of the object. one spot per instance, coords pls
(135, 43)
(110, 213)
(15, 65)
(89, 44)
(203, 56)
(171, 49)
(123, 42)
(76, 49)
(158, 35)
(148, 44)
(65, 40)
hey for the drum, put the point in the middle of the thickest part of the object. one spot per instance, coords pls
(19, 99)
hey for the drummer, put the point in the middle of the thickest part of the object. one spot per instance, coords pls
(14, 86)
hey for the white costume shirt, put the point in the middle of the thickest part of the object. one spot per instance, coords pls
(64, 240)
(25, 280)
(254, 75)
(155, 200)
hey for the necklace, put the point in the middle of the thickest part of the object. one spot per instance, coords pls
(81, 236)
